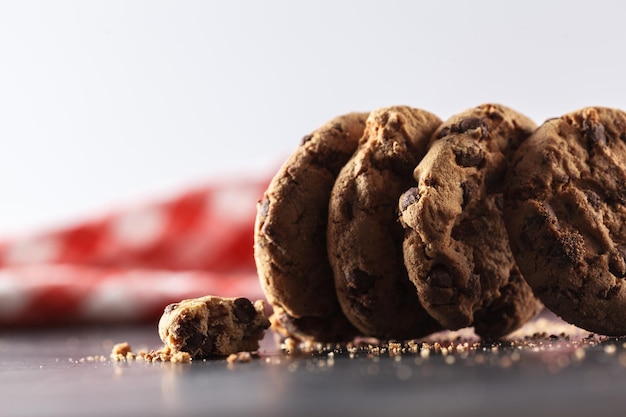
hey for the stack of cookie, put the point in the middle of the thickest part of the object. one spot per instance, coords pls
(396, 225)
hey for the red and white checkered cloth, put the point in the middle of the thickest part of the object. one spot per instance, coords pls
(128, 265)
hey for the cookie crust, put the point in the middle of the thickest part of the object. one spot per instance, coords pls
(566, 216)
(290, 233)
(364, 236)
(456, 247)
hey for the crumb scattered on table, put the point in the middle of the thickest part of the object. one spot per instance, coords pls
(123, 352)
(239, 357)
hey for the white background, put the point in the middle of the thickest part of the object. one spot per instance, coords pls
(107, 102)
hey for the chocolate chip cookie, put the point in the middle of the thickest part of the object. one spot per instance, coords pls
(213, 326)
(456, 247)
(364, 236)
(566, 216)
(290, 234)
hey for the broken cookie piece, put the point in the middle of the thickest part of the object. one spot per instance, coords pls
(213, 326)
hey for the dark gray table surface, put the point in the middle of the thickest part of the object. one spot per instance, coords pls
(51, 373)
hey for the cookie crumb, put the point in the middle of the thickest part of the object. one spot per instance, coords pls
(239, 357)
(213, 326)
(122, 352)
(180, 357)
(93, 358)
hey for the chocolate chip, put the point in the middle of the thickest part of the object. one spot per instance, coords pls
(208, 345)
(617, 262)
(622, 251)
(472, 156)
(593, 198)
(199, 345)
(331, 161)
(195, 341)
(499, 201)
(410, 196)
(443, 132)
(170, 308)
(464, 125)
(611, 293)
(359, 281)
(264, 207)
(495, 115)
(244, 310)
(305, 139)
(347, 209)
(430, 181)
(338, 126)
(470, 192)
(594, 132)
(361, 309)
(472, 123)
(515, 275)
(439, 277)
(269, 231)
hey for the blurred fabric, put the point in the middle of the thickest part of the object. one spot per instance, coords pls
(128, 265)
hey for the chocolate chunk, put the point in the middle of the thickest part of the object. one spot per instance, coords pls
(496, 116)
(622, 251)
(244, 310)
(305, 139)
(593, 198)
(361, 309)
(410, 196)
(360, 281)
(347, 209)
(471, 156)
(611, 293)
(338, 127)
(594, 132)
(269, 231)
(464, 125)
(444, 132)
(499, 201)
(617, 262)
(171, 307)
(195, 341)
(430, 181)
(440, 277)
(471, 123)
(264, 207)
(470, 192)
